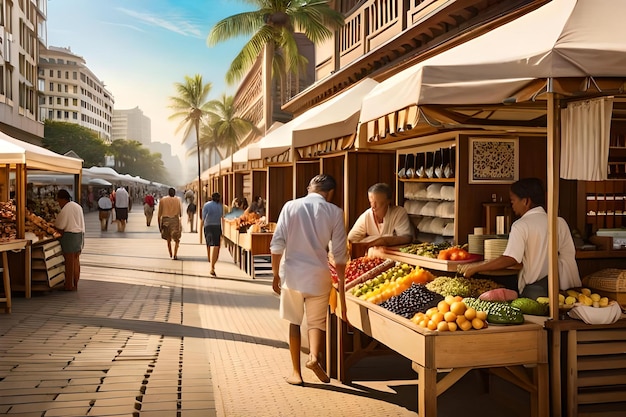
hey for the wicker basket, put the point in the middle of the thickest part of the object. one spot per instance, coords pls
(609, 283)
(611, 279)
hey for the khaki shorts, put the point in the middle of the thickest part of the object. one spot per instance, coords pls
(293, 304)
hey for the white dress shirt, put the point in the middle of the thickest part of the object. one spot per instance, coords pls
(305, 228)
(121, 198)
(395, 223)
(528, 244)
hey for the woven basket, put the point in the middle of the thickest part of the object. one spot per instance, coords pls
(609, 279)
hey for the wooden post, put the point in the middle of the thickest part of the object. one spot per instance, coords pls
(553, 164)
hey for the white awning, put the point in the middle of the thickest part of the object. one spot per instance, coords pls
(14, 151)
(563, 38)
(106, 173)
(247, 153)
(332, 119)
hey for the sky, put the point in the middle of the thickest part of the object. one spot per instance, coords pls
(140, 48)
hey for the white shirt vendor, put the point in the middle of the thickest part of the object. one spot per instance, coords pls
(395, 223)
(528, 245)
(70, 219)
(308, 235)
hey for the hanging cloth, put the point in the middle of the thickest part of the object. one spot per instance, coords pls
(585, 136)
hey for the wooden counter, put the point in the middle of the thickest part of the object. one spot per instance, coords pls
(13, 245)
(506, 349)
(253, 244)
(588, 368)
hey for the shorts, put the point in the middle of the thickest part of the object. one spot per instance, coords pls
(212, 234)
(121, 213)
(293, 303)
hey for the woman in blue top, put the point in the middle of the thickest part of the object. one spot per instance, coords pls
(212, 213)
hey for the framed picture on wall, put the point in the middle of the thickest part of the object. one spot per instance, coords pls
(493, 160)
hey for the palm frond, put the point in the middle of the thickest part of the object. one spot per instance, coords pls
(242, 24)
(249, 54)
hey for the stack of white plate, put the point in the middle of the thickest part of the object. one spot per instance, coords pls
(494, 248)
(476, 243)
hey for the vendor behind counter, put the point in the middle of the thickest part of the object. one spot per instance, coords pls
(382, 224)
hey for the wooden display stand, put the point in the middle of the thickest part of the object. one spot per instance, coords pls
(588, 368)
(509, 351)
(11, 245)
(48, 267)
(253, 244)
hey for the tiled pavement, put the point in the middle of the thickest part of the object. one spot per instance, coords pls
(149, 336)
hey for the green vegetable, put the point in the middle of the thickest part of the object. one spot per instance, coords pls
(529, 306)
(497, 312)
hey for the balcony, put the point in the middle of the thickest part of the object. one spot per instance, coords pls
(375, 22)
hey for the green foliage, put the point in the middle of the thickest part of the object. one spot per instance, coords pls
(61, 137)
(131, 157)
(225, 127)
(273, 25)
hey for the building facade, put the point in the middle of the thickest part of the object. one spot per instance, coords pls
(22, 34)
(73, 93)
(131, 124)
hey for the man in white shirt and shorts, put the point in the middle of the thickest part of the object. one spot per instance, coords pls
(306, 228)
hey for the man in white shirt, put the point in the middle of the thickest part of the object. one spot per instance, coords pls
(71, 223)
(382, 224)
(121, 208)
(300, 245)
(528, 244)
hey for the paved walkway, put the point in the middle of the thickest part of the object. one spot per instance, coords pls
(149, 336)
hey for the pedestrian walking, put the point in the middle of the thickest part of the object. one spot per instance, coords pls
(148, 208)
(105, 206)
(71, 224)
(168, 217)
(307, 227)
(212, 213)
(192, 208)
(121, 208)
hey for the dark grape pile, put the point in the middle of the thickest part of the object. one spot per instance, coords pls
(417, 298)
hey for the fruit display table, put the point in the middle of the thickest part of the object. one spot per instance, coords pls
(588, 368)
(253, 244)
(5, 247)
(518, 353)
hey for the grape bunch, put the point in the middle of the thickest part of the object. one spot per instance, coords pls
(417, 298)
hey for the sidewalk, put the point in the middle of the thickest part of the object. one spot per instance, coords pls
(134, 342)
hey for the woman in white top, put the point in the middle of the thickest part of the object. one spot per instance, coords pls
(528, 244)
(382, 224)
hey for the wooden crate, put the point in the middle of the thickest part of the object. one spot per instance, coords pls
(47, 264)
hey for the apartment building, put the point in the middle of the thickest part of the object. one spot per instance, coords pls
(131, 124)
(73, 93)
(22, 33)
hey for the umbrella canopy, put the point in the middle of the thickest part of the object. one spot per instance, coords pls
(103, 172)
(35, 157)
(332, 119)
(563, 38)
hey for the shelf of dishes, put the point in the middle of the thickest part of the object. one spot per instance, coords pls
(606, 213)
(436, 164)
(426, 192)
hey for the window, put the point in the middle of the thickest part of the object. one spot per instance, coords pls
(50, 114)
(75, 115)
(58, 114)
(67, 115)
(51, 86)
(51, 73)
(67, 75)
(59, 101)
(75, 102)
(74, 75)
(67, 102)
(50, 102)
(59, 88)
(66, 88)
(59, 74)
(75, 89)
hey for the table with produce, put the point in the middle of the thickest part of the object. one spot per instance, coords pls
(445, 325)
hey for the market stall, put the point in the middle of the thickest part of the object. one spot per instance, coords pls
(16, 159)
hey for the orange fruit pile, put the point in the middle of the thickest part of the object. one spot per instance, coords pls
(451, 315)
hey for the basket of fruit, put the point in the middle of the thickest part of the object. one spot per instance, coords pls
(593, 308)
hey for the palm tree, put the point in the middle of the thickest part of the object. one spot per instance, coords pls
(191, 105)
(273, 26)
(228, 129)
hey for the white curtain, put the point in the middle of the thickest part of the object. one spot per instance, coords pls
(585, 136)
